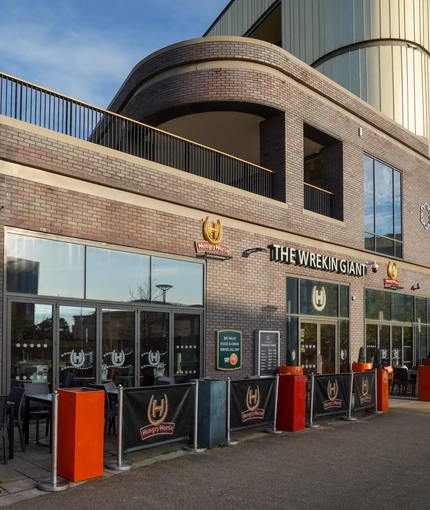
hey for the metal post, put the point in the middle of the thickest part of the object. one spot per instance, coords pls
(349, 417)
(119, 464)
(230, 441)
(194, 448)
(54, 484)
(311, 424)
(376, 411)
(274, 430)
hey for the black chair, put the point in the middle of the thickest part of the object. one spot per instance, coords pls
(111, 406)
(17, 396)
(35, 410)
(3, 426)
(401, 380)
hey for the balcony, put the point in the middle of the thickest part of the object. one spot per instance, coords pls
(32, 104)
(318, 200)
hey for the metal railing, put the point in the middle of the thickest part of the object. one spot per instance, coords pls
(318, 200)
(47, 109)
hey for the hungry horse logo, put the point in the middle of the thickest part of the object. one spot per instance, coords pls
(252, 403)
(159, 411)
(212, 231)
(252, 398)
(332, 390)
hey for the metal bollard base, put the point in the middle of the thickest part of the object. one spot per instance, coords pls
(273, 431)
(231, 442)
(59, 485)
(114, 466)
(194, 449)
(348, 418)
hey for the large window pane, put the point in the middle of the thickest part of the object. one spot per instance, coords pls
(292, 295)
(318, 298)
(177, 282)
(118, 346)
(77, 346)
(44, 267)
(31, 343)
(403, 308)
(382, 208)
(154, 346)
(187, 345)
(114, 275)
(378, 305)
(383, 200)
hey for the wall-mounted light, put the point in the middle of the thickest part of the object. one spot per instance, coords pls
(416, 286)
(353, 298)
(247, 253)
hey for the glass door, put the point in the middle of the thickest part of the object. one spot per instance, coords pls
(77, 346)
(318, 347)
(31, 343)
(154, 346)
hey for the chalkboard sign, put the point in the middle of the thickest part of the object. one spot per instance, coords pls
(266, 352)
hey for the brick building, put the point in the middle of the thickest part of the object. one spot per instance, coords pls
(298, 212)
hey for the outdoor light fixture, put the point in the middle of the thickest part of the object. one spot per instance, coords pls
(248, 252)
(164, 287)
(416, 286)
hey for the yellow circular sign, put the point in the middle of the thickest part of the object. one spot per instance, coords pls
(233, 359)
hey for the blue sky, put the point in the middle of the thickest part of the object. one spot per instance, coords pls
(86, 48)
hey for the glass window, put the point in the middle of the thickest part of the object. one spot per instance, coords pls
(154, 346)
(114, 275)
(118, 347)
(318, 298)
(378, 305)
(344, 343)
(293, 336)
(44, 267)
(403, 308)
(343, 301)
(292, 295)
(421, 310)
(382, 208)
(77, 346)
(187, 345)
(176, 282)
(31, 343)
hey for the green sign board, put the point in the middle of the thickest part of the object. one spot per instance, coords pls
(229, 349)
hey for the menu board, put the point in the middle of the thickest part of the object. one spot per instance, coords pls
(266, 352)
(229, 349)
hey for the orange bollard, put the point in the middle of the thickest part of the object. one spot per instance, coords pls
(80, 433)
(291, 410)
(382, 390)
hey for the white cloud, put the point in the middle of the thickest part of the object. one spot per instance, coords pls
(86, 48)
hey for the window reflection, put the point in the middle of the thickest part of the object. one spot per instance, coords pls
(31, 343)
(114, 275)
(154, 346)
(184, 281)
(118, 347)
(44, 267)
(187, 345)
(77, 330)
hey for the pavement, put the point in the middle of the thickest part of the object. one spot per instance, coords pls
(20, 478)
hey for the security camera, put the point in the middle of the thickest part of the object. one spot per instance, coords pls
(374, 267)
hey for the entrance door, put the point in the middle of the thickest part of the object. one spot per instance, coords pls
(318, 347)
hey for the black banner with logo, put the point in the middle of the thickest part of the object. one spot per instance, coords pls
(155, 415)
(332, 394)
(364, 389)
(252, 402)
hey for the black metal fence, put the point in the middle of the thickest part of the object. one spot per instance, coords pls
(318, 200)
(41, 107)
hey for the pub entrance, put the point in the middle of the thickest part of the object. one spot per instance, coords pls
(318, 347)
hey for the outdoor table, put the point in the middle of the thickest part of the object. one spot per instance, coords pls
(43, 398)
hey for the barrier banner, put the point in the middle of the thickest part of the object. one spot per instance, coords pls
(155, 415)
(332, 394)
(252, 402)
(364, 389)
